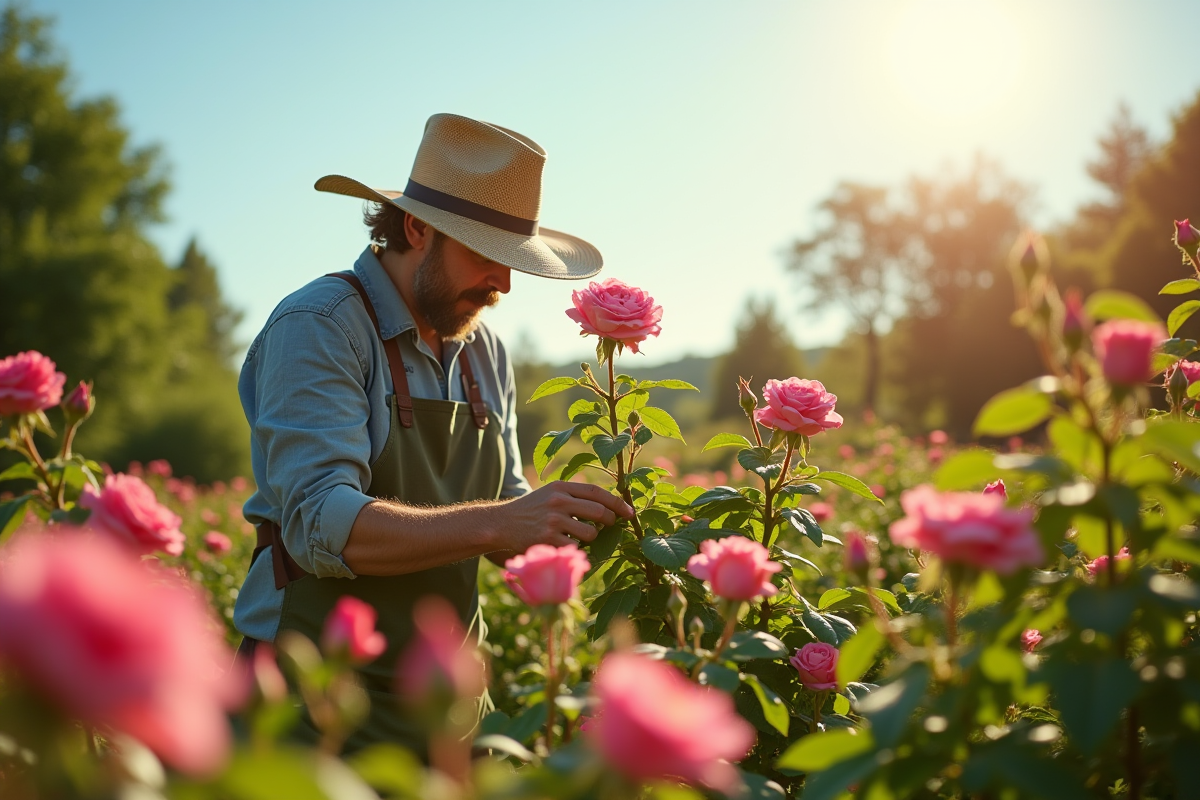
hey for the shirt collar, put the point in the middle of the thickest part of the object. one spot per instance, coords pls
(394, 316)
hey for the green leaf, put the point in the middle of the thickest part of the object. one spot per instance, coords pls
(669, 383)
(818, 752)
(966, 470)
(749, 645)
(803, 521)
(1174, 441)
(643, 435)
(723, 678)
(389, 767)
(1013, 411)
(819, 627)
(671, 552)
(857, 655)
(526, 724)
(604, 545)
(577, 463)
(548, 445)
(608, 447)
(12, 514)
(716, 494)
(552, 386)
(21, 471)
(1110, 304)
(726, 440)
(660, 422)
(762, 461)
(773, 707)
(506, 745)
(759, 787)
(833, 597)
(793, 557)
(632, 401)
(800, 490)
(847, 482)
(1181, 286)
(888, 599)
(890, 707)
(1090, 697)
(1178, 348)
(621, 602)
(1180, 314)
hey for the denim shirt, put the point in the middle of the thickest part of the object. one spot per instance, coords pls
(314, 387)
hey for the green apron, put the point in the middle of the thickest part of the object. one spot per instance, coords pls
(438, 452)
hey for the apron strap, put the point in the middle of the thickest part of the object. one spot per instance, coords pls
(474, 396)
(404, 406)
(283, 565)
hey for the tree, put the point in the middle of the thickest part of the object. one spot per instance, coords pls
(859, 261)
(762, 350)
(80, 280)
(196, 287)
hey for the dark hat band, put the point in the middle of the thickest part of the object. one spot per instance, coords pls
(475, 211)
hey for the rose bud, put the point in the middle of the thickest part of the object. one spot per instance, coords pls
(996, 487)
(1187, 239)
(857, 555)
(746, 397)
(79, 404)
(350, 631)
(1029, 257)
(1125, 349)
(1075, 320)
(1177, 385)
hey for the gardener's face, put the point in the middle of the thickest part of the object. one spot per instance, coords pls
(453, 284)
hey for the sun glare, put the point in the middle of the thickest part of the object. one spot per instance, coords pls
(955, 59)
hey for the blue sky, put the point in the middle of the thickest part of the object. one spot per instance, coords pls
(690, 141)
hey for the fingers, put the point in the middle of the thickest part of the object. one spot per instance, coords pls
(586, 491)
(588, 510)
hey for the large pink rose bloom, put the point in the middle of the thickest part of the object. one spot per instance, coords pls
(614, 310)
(109, 643)
(438, 656)
(546, 575)
(968, 528)
(655, 724)
(736, 568)
(129, 510)
(1125, 349)
(798, 405)
(29, 383)
(817, 664)
(350, 630)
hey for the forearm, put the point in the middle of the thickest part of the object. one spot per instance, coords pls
(390, 538)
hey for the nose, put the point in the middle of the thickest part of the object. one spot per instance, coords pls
(499, 278)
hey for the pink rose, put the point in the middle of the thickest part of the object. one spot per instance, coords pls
(655, 724)
(217, 542)
(846, 452)
(1125, 348)
(29, 383)
(1190, 369)
(736, 568)
(817, 664)
(546, 575)
(438, 658)
(116, 646)
(128, 509)
(1187, 238)
(799, 406)
(350, 631)
(160, 467)
(821, 511)
(1100, 563)
(968, 528)
(938, 438)
(238, 484)
(613, 310)
(1030, 639)
(996, 487)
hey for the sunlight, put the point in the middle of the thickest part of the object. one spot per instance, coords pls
(955, 59)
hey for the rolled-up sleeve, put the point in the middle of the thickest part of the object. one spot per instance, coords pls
(311, 427)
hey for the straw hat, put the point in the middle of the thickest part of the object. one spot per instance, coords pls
(481, 185)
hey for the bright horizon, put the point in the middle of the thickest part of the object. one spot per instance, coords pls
(691, 146)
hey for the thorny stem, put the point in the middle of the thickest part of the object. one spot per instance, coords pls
(726, 635)
(818, 701)
(36, 457)
(768, 510)
(551, 681)
(622, 486)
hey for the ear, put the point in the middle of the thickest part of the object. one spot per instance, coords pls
(418, 233)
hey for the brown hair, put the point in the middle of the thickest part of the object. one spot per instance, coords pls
(386, 223)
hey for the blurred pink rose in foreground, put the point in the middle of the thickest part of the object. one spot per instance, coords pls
(438, 657)
(1100, 563)
(617, 311)
(821, 511)
(798, 406)
(350, 631)
(1125, 349)
(996, 487)
(29, 382)
(1030, 639)
(546, 575)
(817, 664)
(655, 724)
(968, 528)
(736, 568)
(217, 542)
(128, 509)
(116, 646)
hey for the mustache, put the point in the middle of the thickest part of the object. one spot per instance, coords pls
(481, 297)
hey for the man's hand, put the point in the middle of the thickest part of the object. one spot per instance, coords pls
(557, 514)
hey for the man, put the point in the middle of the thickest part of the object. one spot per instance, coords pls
(383, 412)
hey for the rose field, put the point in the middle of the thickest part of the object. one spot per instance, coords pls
(831, 609)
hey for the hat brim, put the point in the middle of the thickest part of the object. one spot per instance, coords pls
(548, 254)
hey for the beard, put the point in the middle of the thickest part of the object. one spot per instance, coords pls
(437, 299)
